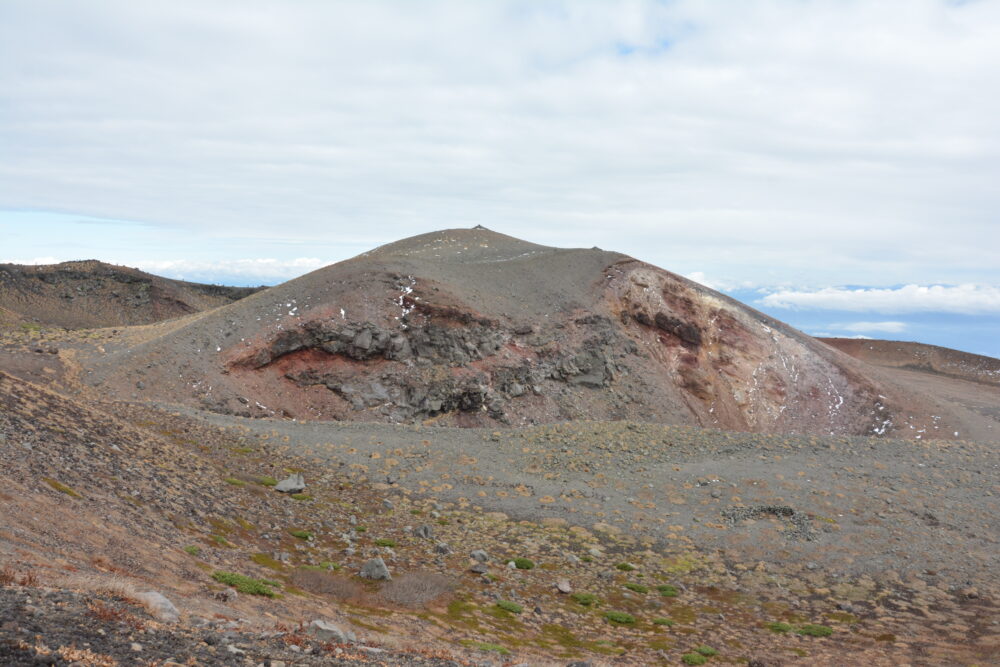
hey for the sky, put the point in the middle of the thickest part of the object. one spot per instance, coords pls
(832, 163)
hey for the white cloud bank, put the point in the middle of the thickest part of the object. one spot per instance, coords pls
(959, 299)
(880, 327)
(233, 271)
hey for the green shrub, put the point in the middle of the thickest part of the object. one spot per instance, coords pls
(638, 588)
(706, 651)
(360, 529)
(247, 585)
(620, 617)
(193, 550)
(523, 564)
(778, 626)
(668, 591)
(625, 567)
(512, 607)
(586, 599)
(384, 542)
(813, 630)
(693, 659)
(301, 534)
(663, 621)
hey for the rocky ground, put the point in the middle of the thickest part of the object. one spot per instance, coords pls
(783, 568)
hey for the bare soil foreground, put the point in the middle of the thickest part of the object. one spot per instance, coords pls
(143, 524)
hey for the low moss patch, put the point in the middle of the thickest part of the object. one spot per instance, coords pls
(301, 534)
(693, 659)
(385, 542)
(668, 591)
(484, 646)
(625, 567)
(247, 585)
(301, 496)
(523, 564)
(620, 618)
(192, 549)
(778, 626)
(267, 481)
(232, 481)
(60, 487)
(512, 607)
(586, 599)
(267, 561)
(815, 630)
(706, 651)
(637, 588)
(664, 621)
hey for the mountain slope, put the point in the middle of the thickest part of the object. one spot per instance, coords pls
(92, 294)
(471, 327)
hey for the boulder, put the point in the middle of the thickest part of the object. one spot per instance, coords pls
(375, 569)
(294, 483)
(325, 631)
(159, 606)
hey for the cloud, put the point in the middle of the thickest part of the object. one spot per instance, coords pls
(959, 299)
(765, 140)
(35, 261)
(238, 271)
(881, 327)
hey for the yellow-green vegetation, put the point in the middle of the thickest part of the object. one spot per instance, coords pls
(693, 659)
(301, 496)
(247, 585)
(620, 617)
(512, 607)
(267, 481)
(637, 588)
(385, 542)
(266, 561)
(484, 646)
(192, 549)
(301, 534)
(683, 565)
(61, 488)
(668, 591)
(706, 651)
(235, 482)
(241, 450)
(586, 599)
(815, 630)
(222, 541)
(625, 567)
(523, 564)
(663, 621)
(360, 529)
(779, 626)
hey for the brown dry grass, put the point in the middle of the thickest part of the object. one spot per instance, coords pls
(417, 589)
(325, 583)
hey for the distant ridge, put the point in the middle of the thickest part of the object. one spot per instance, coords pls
(92, 294)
